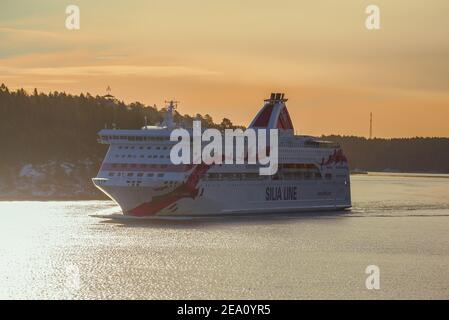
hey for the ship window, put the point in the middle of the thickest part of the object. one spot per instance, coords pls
(214, 176)
(120, 147)
(161, 156)
(165, 148)
(139, 139)
(140, 174)
(140, 148)
(158, 148)
(130, 174)
(299, 175)
(328, 176)
(111, 174)
(155, 156)
(251, 176)
(159, 175)
(150, 174)
(285, 176)
(148, 148)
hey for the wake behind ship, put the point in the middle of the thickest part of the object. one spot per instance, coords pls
(137, 173)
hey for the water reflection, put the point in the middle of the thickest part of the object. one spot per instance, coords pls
(86, 249)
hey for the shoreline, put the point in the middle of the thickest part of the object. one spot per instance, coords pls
(53, 198)
(100, 196)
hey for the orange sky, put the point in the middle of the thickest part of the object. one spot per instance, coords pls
(225, 57)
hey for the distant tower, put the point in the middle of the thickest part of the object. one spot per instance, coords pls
(108, 95)
(371, 125)
(112, 101)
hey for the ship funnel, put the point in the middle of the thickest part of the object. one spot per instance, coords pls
(274, 114)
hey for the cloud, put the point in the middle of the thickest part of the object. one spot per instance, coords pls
(112, 57)
(20, 41)
(109, 70)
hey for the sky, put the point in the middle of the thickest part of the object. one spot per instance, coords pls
(225, 57)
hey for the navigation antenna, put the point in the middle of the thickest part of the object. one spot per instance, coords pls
(371, 125)
(172, 104)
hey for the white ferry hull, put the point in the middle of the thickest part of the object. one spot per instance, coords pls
(231, 198)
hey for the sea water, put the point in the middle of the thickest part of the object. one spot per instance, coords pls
(82, 250)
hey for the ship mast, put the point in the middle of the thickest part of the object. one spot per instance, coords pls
(371, 125)
(168, 119)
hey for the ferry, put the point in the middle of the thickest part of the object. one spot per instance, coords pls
(139, 176)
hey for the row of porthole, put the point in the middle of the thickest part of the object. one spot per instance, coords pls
(141, 165)
(138, 182)
(142, 156)
(142, 147)
(136, 138)
(131, 174)
(233, 176)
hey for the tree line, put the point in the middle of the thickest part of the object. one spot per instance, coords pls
(418, 154)
(37, 127)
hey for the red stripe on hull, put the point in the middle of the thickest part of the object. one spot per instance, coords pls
(187, 189)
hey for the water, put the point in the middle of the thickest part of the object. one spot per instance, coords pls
(73, 250)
